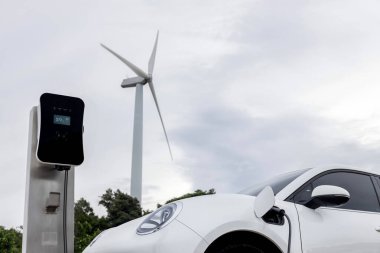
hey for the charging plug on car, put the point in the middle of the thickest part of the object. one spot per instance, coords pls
(276, 216)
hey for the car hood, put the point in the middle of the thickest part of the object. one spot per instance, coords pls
(210, 213)
(209, 216)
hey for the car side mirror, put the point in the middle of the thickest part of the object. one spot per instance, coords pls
(328, 196)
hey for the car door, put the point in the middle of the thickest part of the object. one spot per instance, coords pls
(351, 228)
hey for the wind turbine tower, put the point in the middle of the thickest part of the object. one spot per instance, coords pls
(139, 82)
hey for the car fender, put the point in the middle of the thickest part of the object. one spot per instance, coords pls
(215, 215)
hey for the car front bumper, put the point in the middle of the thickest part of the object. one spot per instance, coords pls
(173, 238)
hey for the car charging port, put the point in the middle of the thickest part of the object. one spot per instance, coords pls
(275, 216)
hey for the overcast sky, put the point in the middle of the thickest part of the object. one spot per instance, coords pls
(248, 89)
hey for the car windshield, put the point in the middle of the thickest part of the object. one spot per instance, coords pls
(277, 183)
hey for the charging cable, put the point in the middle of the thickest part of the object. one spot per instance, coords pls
(281, 213)
(290, 231)
(64, 211)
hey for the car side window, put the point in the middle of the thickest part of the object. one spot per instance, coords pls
(362, 192)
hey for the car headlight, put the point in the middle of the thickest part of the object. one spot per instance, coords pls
(159, 218)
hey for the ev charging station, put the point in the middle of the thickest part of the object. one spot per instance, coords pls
(55, 147)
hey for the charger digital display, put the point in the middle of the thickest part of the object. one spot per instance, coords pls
(62, 120)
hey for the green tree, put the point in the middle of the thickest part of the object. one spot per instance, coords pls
(87, 225)
(10, 240)
(120, 207)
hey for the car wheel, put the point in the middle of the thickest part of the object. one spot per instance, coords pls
(242, 242)
(240, 248)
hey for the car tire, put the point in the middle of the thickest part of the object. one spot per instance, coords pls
(242, 242)
(240, 248)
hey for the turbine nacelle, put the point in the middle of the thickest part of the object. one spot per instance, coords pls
(133, 81)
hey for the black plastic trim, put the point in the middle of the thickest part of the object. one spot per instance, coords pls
(376, 184)
(275, 216)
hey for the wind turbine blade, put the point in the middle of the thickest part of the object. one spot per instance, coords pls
(133, 67)
(153, 56)
(159, 113)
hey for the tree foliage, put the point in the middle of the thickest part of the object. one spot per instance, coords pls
(120, 207)
(10, 240)
(87, 225)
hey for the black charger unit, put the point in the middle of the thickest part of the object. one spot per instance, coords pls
(60, 130)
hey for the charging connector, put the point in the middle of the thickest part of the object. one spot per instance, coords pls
(275, 216)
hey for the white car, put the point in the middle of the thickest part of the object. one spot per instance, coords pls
(330, 210)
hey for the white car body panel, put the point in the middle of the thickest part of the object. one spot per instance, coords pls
(333, 230)
(206, 218)
(123, 239)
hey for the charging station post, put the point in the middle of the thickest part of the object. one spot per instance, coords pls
(55, 146)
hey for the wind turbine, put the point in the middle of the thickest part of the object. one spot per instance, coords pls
(139, 81)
